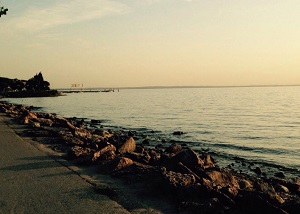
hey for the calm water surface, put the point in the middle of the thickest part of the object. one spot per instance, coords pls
(260, 124)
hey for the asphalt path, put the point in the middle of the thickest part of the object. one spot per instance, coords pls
(33, 182)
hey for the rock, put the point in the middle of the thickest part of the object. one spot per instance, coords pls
(229, 191)
(25, 121)
(150, 176)
(155, 157)
(82, 133)
(159, 146)
(187, 157)
(128, 146)
(103, 133)
(245, 184)
(131, 133)
(279, 174)
(174, 148)
(139, 149)
(294, 187)
(95, 121)
(222, 178)
(109, 155)
(268, 192)
(34, 124)
(49, 116)
(178, 133)
(121, 163)
(106, 153)
(115, 167)
(96, 140)
(79, 123)
(69, 139)
(257, 170)
(175, 179)
(78, 151)
(27, 117)
(146, 142)
(63, 122)
(139, 157)
(281, 188)
(263, 186)
(208, 162)
(30, 115)
(44, 122)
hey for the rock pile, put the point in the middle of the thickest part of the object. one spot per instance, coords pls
(195, 183)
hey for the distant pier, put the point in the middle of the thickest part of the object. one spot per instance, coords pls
(67, 91)
(78, 88)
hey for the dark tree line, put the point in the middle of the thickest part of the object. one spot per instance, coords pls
(36, 83)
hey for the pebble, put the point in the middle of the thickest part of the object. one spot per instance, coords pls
(257, 170)
(279, 174)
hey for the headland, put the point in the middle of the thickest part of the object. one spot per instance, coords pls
(34, 87)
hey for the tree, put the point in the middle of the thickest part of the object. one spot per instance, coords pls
(3, 11)
(37, 83)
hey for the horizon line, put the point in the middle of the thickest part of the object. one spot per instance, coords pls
(186, 86)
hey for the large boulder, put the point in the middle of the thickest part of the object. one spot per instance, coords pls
(222, 177)
(121, 163)
(106, 153)
(174, 148)
(187, 157)
(123, 143)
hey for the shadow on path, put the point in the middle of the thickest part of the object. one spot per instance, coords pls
(31, 166)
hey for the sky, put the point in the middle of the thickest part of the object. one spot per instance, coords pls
(135, 43)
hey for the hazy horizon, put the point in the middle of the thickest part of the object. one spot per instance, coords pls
(150, 43)
(178, 86)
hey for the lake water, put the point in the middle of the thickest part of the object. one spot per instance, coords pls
(259, 124)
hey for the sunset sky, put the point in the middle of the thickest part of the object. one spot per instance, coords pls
(122, 43)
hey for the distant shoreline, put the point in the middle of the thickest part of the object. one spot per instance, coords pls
(170, 87)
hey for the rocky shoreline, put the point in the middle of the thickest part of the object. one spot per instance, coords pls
(191, 181)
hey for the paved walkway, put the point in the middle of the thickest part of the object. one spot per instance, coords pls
(32, 182)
